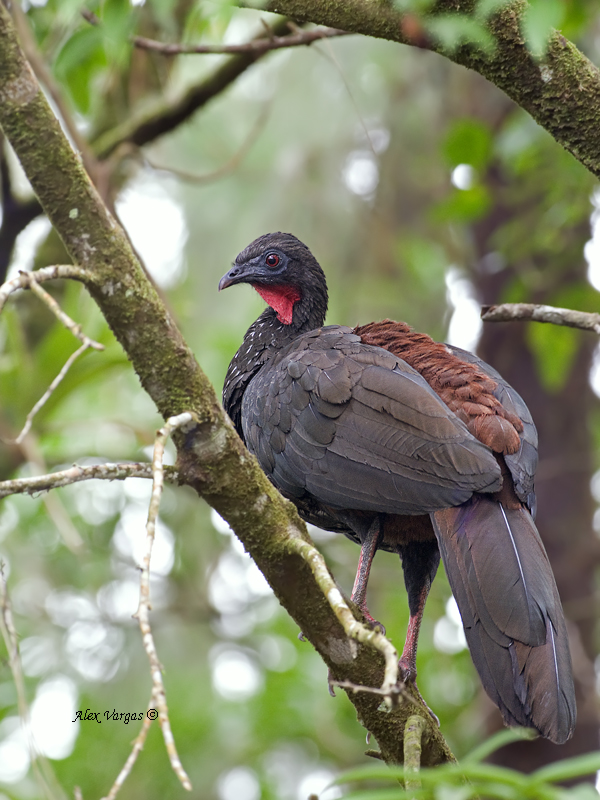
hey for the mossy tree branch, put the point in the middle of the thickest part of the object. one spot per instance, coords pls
(561, 89)
(212, 459)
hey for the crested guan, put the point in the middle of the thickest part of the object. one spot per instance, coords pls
(408, 445)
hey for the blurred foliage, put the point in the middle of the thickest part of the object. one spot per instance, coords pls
(357, 156)
(472, 779)
(540, 18)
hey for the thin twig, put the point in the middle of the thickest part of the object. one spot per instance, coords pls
(30, 280)
(41, 767)
(47, 394)
(262, 45)
(508, 312)
(256, 46)
(22, 281)
(227, 168)
(142, 614)
(59, 313)
(138, 745)
(77, 473)
(331, 57)
(9, 634)
(396, 692)
(54, 506)
(156, 121)
(353, 628)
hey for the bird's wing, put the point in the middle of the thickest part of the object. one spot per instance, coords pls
(523, 463)
(358, 428)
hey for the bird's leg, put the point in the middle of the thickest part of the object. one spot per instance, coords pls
(370, 542)
(420, 561)
(408, 659)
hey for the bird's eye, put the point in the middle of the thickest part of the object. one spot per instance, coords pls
(272, 260)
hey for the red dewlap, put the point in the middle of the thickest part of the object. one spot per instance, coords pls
(281, 299)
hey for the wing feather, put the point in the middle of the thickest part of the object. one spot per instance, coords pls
(358, 428)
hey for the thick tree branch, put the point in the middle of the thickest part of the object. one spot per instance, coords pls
(164, 118)
(561, 90)
(212, 459)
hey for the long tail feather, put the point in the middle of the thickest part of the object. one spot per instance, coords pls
(513, 619)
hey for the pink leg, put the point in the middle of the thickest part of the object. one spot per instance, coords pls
(367, 553)
(408, 659)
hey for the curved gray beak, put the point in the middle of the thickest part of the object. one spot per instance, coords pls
(235, 275)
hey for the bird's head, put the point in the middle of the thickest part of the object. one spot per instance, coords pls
(285, 274)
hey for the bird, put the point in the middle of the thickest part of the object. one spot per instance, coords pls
(413, 446)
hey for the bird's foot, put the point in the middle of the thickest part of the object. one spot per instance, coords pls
(407, 673)
(377, 626)
(371, 621)
(330, 683)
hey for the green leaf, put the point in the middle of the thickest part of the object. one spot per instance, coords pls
(77, 63)
(496, 741)
(454, 30)
(468, 141)
(569, 768)
(584, 791)
(554, 349)
(425, 260)
(117, 24)
(463, 205)
(453, 792)
(369, 773)
(540, 17)
(196, 24)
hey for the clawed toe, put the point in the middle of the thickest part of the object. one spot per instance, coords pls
(371, 621)
(376, 625)
(406, 671)
(408, 674)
